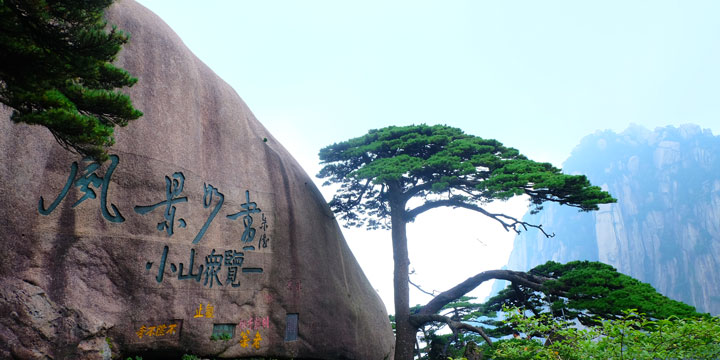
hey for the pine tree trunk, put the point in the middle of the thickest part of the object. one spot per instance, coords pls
(404, 331)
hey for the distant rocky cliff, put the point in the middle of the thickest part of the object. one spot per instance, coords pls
(665, 227)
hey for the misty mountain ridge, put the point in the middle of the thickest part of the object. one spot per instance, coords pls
(665, 227)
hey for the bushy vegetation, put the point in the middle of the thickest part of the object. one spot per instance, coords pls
(556, 299)
(586, 291)
(57, 71)
(223, 336)
(632, 336)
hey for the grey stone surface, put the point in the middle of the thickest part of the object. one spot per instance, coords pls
(80, 280)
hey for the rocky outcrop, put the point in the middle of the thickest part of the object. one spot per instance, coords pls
(200, 235)
(665, 227)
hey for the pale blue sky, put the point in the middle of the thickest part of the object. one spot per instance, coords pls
(536, 75)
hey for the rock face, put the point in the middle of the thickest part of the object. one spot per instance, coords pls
(200, 225)
(665, 227)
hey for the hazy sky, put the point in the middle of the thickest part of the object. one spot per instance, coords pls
(536, 75)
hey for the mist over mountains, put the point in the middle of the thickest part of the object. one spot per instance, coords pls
(665, 227)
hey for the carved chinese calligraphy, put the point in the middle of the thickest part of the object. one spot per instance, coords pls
(208, 271)
(207, 201)
(84, 182)
(213, 269)
(173, 188)
(253, 323)
(245, 340)
(157, 330)
(209, 311)
(170, 204)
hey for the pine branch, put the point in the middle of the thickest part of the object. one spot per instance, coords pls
(532, 281)
(506, 221)
(419, 320)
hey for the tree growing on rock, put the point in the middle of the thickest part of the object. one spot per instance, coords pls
(586, 291)
(380, 172)
(56, 71)
(556, 294)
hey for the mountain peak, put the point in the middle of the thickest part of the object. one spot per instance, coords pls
(665, 227)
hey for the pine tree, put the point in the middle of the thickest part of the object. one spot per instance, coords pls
(380, 172)
(553, 295)
(56, 71)
(587, 291)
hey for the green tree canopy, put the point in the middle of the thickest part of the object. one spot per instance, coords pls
(556, 295)
(587, 291)
(421, 160)
(56, 71)
(380, 172)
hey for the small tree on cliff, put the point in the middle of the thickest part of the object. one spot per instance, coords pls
(555, 294)
(56, 71)
(380, 172)
(586, 291)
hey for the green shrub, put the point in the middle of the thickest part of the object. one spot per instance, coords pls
(632, 336)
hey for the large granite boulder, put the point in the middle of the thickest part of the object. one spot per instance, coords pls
(200, 235)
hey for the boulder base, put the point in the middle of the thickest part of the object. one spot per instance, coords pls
(200, 235)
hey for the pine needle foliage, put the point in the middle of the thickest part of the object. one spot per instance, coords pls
(56, 71)
(424, 160)
(380, 174)
(588, 291)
